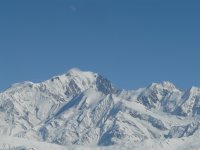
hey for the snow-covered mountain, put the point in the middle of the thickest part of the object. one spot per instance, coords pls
(84, 108)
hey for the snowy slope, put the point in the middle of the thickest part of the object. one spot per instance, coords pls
(84, 108)
(189, 143)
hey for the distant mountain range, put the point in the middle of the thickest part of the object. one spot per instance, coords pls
(84, 108)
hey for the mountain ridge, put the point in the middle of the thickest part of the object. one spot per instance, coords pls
(84, 108)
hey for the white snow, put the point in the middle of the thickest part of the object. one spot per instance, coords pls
(83, 108)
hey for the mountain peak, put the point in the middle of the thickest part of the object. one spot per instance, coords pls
(92, 79)
(77, 73)
(76, 81)
(82, 107)
(163, 85)
(194, 90)
(74, 71)
(168, 84)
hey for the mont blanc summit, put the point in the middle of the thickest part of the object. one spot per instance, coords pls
(82, 108)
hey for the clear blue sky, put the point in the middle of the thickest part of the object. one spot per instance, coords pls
(131, 42)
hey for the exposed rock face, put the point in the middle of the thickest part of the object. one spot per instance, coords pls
(85, 108)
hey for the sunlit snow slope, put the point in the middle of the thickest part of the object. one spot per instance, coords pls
(84, 108)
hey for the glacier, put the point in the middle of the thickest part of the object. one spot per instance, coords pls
(84, 110)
